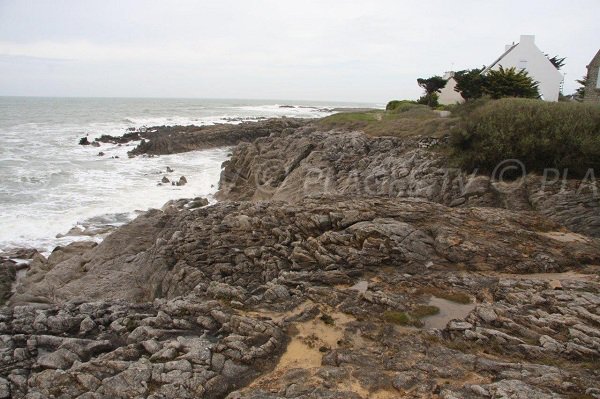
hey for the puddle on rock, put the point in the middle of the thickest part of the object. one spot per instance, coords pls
(304, 348)
(448, 311)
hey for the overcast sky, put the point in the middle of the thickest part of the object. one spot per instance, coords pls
(364, 50)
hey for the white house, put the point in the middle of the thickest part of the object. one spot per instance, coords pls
(526, 55)
(448, 95)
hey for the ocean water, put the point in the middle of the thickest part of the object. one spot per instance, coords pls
(49, 184)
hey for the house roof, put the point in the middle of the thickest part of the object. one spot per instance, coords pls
(596, 59)
(499, 58)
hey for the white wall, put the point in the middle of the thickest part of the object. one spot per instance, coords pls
(528, 56)
(448, 96)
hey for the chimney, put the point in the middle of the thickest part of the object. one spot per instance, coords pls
(527, 39)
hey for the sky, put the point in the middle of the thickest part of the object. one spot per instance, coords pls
(355, 51)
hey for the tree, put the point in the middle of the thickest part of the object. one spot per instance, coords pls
(433, 84)
(557, 61)
(469, 83)
(509, 83)
(429, 99)
(432, 87)
(580, 92)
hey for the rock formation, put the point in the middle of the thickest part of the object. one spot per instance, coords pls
(306, 162)
(162, 140)
(335, 266)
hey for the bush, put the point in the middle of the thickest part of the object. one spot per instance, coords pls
(400, 105)
(429, 99)
(468, 106)
(539, 134)
(469, 83)
(509, 83)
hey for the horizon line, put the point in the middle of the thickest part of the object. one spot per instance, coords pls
(192, 98)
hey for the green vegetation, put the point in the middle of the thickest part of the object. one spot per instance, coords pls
(350, 117)
(509, 83)
(557, 61)
(454, 296)
(422, 311)
(432, 87)
(400, 105)
(580, 92)
(412, 318)
(539, 134)
(402, 119)
(395, 317)
(327, 319)
(469, 83)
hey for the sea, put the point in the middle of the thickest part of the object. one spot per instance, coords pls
(54, 191)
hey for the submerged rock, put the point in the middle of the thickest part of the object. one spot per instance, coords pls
(182, 181)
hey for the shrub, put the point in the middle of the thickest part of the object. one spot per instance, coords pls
(469, 83)
(432, 85)
(539, 134)
(468, 106)
(509, 83)
(429, 99)
(400, 105)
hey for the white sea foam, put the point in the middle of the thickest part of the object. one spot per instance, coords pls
(49, 183)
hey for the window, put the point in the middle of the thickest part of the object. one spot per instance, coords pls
(523, 64)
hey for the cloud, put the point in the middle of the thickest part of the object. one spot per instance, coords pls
(354, 49)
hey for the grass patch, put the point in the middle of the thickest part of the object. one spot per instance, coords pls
(422, 311)
(540, 134)
(412, 318)
(404, 121)
(400, 318)
(453, 296)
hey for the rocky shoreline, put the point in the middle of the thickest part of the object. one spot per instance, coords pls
(319, 275)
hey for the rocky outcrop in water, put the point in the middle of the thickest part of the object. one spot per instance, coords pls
(174, 139)
(125, 138)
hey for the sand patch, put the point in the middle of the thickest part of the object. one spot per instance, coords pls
(310, 340)
(566, 237)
